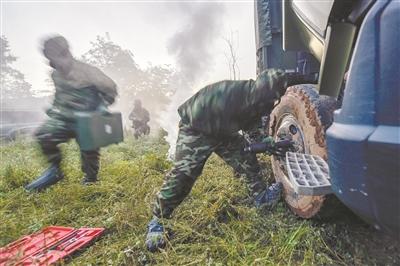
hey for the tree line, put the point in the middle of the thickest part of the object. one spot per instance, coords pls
(153, 84)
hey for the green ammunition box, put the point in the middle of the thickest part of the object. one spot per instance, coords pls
(95, 129)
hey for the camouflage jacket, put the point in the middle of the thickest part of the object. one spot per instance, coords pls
(223, 108)
(139, 115)
(83, 89)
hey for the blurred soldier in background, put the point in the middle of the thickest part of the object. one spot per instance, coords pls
(139, 117)
(210, 121)
(79, 87)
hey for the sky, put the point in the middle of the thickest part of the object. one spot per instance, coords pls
(144, 27)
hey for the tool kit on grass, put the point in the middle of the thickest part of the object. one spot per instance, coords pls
(48, 246)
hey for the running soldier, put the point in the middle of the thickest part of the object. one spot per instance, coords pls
(139, 117)
(79, 87)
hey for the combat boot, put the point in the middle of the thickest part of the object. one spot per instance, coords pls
(269, 197)
(51, 176)
(88, 180)
(155, 238)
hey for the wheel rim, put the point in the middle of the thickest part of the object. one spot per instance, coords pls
(286, 124)
(303, 206)
(290, 129)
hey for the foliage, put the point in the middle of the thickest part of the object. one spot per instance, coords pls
(13, 83)
(216, 224)
(152, 84)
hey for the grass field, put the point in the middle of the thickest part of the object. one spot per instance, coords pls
(215, 225)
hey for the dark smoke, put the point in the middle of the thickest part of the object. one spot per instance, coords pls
(192, 45)
(192, 48)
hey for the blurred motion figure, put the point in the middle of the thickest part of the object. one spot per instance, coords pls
(139, 117)
(79, 87)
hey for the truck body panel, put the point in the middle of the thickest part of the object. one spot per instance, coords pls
(364, 140)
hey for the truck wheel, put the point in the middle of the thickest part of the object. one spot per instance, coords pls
(304, 116)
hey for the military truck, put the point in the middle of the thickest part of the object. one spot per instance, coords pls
(351, 118)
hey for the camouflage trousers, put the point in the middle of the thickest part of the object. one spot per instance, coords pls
(140, 129)
(56, 131)
(192, 151)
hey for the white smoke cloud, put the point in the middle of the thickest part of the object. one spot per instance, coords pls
(191, 47)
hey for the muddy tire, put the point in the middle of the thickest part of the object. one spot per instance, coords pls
(312, 114)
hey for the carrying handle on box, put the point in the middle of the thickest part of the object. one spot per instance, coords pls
(103, 110)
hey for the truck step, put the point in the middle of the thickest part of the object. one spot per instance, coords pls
(309, 174)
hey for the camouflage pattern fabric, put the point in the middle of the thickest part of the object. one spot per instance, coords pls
(140, 117)
(57, 131)
(142, 129)
(192, 151)
(139, 114)
(85, 88)
(223, 108)
(210, 121)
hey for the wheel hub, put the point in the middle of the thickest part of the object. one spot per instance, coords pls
(290, 129)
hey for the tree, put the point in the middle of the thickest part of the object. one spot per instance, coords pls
(155, 85)
(13, 83)
(152, 85)
(231, 56)
(117, 62)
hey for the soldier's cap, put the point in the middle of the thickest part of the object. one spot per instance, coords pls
(55, 45)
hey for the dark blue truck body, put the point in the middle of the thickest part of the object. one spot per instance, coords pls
(364, 140)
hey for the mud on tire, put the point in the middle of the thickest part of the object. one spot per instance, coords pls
(313, 114)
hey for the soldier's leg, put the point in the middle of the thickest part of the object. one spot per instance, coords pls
(90, 165)
(192, 151)
(49, 135)
(141, 130)
(244, 164)
(136, 132)
(146, 129)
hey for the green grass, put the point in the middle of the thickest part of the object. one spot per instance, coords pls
(215, 225)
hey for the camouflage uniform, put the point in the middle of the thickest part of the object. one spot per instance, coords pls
(210, 121)
(84, 89)
(140, 117)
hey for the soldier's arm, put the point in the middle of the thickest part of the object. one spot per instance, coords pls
(52, 75)
(105, 85)
(146, 116)
(132, 115)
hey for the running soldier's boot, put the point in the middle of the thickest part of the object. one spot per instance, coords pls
(51, 176)
(155, 235)
(269, 197)
(87, 181)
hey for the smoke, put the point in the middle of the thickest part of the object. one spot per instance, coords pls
(192, 46)
(192, 49)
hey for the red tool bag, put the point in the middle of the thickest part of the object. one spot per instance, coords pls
(48, 246)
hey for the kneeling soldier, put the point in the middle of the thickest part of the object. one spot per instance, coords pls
(210, 121)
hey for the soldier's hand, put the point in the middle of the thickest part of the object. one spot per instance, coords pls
(102, 109)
